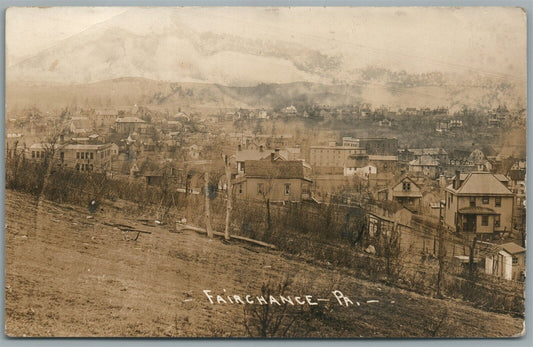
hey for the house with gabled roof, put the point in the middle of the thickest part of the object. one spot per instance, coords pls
(405, 191)
(480, 203)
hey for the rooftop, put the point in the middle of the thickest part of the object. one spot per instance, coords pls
(424, 160)
(512, 248)
(275, 169)
(129, 120)
(480, 183)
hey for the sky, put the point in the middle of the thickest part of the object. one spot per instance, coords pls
(486, 40)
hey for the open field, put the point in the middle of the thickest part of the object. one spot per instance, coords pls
(67, 275)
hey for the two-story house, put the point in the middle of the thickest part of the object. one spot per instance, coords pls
(404, 191)
(479, 202)
(276, 180)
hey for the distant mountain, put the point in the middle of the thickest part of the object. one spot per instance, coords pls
(169, 50)
(173, 95)
(166, 63)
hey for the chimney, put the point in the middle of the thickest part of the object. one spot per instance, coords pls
(442, 181)
(272, 156)
(457, 180)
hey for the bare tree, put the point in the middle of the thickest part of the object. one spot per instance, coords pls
(441, 255)
(389, 239)
(270, 320)
(208, 227)
(229, 197)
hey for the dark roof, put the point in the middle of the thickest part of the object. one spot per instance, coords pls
(517, 175)
(274, 169)
(129, 120)
(476, 210)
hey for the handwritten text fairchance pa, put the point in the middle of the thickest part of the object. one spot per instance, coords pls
(279, 300)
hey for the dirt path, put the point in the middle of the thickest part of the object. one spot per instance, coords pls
(67, 275)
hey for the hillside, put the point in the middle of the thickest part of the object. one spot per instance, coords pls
(128, 91)
(69, 275)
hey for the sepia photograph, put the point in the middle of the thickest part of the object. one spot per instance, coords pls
(265, 172)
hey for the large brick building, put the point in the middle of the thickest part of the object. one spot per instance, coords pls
(81, 157)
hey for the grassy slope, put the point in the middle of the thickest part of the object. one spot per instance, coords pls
(68, 277)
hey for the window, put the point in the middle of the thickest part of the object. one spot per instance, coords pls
(287, 188)
(92, 155)
(498, 201)
(260, 188)
(86, 155)
(62, 156)
(78, 167)
(496, 221)
(484, 221)
(472, 202)
(33, 154)
(515, 260)
(240, 188)
(77, 155)
(406, 186)
(485, 200)
(82, 155)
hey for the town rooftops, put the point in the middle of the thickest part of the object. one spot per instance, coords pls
(129, 120)
(424, 160)
(427, 151)
(337, 147)
(480, 183)
(275, 169)
(250, 154)
(382, 157)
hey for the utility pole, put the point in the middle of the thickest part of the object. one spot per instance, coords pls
(207, 212)
(441, 257)
(229, 196)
